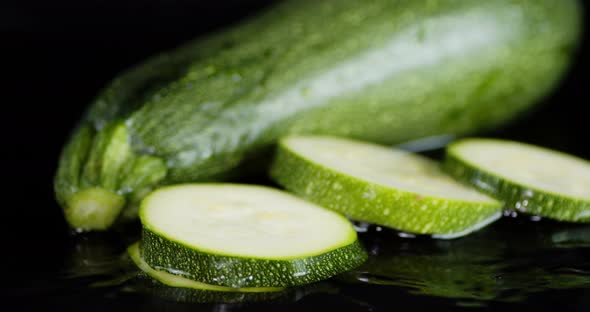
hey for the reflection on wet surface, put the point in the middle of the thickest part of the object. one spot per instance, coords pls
(510, 261)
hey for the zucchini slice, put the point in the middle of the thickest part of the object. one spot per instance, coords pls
(527, 178)
(381, 185)
(245, 236)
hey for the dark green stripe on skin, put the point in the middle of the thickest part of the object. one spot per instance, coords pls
(371, 202)
(516, 196)
(231, 271)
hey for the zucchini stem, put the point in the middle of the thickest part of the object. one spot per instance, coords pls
(94, 209)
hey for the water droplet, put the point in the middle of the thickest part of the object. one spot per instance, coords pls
(361, 226)
(535, 218)
(299, 274)
(406, 235)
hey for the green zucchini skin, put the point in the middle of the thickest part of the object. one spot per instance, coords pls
(231, 271)
(387, 72)
(517, 196)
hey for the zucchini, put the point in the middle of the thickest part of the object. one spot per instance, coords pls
(183, 289)
(527, 178)
(380, 185)
(245, 236)
(387, 72)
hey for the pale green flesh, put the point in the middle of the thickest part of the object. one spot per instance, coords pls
(244, 221)
(179, 281)
(384, 166)
(538, 168)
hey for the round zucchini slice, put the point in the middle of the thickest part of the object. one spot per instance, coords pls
(245, 236)
(381, 185)
(528, 178)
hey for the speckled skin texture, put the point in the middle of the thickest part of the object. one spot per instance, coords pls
(516, 196)
(368, 74)
(165, 254)
(387, 71)
(366, 201)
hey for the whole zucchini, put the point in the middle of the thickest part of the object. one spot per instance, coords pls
(386, 71)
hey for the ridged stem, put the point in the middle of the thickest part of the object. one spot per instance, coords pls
(94, 209)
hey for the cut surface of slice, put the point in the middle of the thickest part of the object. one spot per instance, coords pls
(381, 185)
(527, 178)
(245, 236)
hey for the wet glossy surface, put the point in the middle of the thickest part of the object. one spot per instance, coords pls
(495, 267)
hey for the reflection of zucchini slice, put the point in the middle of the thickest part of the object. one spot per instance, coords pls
(495, 264)
(179, 288)
(179, 281)
(381, 185)
(245, 236)
(528, 178)
(571, 237)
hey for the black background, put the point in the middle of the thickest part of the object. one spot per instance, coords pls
(56, 55)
